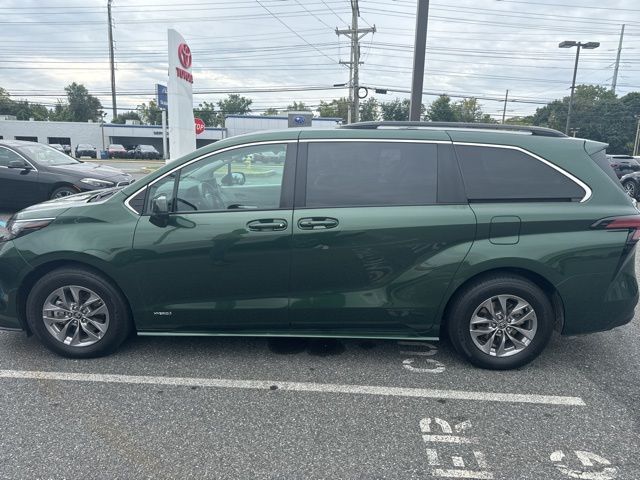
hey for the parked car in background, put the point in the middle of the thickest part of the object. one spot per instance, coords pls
(623, 164)
(86, 150)
(494, 234)
(32, 173)
(631, 184)
(147, 152)
(115, 150)
(57, 146)
(67, 149)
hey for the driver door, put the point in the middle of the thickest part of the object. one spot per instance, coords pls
(222, 263)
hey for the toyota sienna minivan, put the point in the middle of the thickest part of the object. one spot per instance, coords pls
(492, 235)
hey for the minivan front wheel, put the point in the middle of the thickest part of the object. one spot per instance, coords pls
(77, 313)
(501, 322)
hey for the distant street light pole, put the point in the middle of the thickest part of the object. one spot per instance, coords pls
(570, 44)
(636, 144)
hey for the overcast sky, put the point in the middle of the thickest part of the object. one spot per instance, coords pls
(475, 48)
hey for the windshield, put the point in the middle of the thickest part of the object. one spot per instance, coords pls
(45, 155)
(116, 147)
(147, 148)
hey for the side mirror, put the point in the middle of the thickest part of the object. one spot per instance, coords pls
(159, 211)
(233, 178)
(19, 164)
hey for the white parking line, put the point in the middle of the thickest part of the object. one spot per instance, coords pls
(297, 387)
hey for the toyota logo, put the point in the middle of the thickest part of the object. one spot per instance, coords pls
(184, 54)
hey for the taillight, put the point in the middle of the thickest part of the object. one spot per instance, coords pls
(627, 222)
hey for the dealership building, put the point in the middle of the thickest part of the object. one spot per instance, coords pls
(101, 135)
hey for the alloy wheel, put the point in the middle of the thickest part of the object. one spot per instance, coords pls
(75, 316)
(503, 325)
(630, 188)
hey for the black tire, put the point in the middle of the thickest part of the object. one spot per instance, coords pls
(630, 188)
(63, 191)
(473, 295)
(120, 324)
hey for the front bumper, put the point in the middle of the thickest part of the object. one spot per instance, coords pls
(13, 269)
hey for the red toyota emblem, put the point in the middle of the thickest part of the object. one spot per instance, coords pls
(184, 54)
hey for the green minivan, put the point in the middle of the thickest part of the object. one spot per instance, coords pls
(493, 235)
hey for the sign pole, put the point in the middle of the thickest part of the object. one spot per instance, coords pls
(164, 136)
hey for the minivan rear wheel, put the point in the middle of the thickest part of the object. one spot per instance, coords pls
(501, 322)
(77, 313)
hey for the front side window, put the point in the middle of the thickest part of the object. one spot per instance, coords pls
(343, 174)
(233, 180)
(7, 156)
(503, 174)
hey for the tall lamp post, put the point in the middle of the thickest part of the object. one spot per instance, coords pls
(570, 44)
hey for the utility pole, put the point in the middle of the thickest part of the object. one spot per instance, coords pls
(355, 34)
(615, 70)
(113, 70)
(419, 54)
(504, 110)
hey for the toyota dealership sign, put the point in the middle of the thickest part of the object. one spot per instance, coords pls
(182, 137)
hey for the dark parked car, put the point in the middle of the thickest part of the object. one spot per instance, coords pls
(31, 173)
(86, 150)
(623, 164)
(631, 184)
(408, 231)
(116, 150)
(147, 152)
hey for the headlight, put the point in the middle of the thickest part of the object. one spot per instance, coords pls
(97, 182)
(19, 228)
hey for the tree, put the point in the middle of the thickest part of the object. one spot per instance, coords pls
(150, 113)
(22, 109)
(369, 110)
(123, 117)
(235, 104)
(597, 114)
(441, 110)
(298, 107)
(396, 109)
(81, 105)
(337, 108)
(469, 110)
(270, 112)
(207, 112)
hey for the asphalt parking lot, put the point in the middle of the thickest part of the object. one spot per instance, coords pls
(313, 409)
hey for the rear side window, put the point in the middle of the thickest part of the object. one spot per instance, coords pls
(503, 174)
(344, 174)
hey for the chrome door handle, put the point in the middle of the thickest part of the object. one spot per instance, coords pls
(267, 224)
(317, 223)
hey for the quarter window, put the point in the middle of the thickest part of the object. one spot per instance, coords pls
(342, 174)
(502, 174)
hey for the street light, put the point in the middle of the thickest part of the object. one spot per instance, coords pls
(570, 44)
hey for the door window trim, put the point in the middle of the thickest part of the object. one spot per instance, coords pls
(202, 157)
